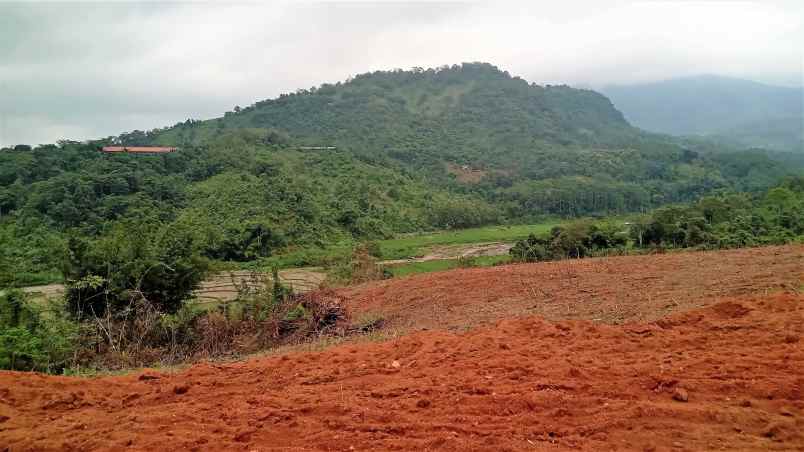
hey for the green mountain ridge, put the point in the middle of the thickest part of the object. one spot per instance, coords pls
(468, 113)
(477, 116)
(453, 147)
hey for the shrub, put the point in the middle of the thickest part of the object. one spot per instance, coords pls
(137, 260)
(467, 262)
(360, 267)
(34, 336)
(575, 240)
(532, 249)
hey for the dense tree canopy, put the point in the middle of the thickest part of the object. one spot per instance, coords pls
(414, 150)
(720, 221)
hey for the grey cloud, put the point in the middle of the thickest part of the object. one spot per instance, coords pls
(90, 70)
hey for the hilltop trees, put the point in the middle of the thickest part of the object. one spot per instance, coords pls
(545, 149)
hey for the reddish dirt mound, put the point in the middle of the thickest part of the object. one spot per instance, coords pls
(611, 290)
(726, 377)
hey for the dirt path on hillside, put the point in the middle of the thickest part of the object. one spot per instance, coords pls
(727, 377)
(611, 290)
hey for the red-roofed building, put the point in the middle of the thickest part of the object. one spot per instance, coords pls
(138, 149)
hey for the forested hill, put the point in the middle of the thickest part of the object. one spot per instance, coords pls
(468, 113)
(476, 128)
(415, 150)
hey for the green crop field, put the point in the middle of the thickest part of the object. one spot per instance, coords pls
(416, 245)
(444, 264)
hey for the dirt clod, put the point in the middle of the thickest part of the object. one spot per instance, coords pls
(181, 389)
(681, 395)
(773, 431)
(244, 436)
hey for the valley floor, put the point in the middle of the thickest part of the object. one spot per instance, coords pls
(684, 351)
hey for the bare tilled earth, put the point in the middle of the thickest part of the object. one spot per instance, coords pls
(725, 376)
(611, 290)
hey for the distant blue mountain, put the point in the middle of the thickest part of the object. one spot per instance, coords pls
(743, 112)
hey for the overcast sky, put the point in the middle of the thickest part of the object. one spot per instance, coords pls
(79, 71)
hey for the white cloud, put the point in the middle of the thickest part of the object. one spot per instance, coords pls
(92, 70)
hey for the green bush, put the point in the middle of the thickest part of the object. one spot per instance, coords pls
(34, 336)
(532, 249)
(573, 240)
(136, 260)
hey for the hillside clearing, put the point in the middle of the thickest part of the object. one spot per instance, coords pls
(634, 368)
(612, 290)
(520, 385)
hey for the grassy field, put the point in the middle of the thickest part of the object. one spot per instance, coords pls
(408, 246)
(416, 245)
(444, 264)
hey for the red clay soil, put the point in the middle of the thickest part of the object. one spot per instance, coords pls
(612, 290)
(726, 377)
(729, 376)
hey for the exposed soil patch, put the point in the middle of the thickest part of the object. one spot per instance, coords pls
(726, 376)
(611, 290)
(720, 378)
(47, 291)
(465, 173)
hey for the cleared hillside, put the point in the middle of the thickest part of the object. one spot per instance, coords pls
(611, 290)
(727, 375)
